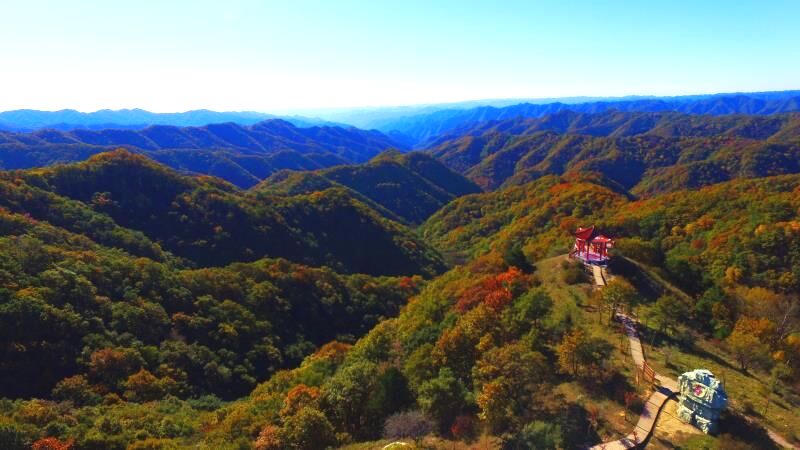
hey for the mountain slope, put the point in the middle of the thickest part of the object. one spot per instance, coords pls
(411, 186)
(213, 223)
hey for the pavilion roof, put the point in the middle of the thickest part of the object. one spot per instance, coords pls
(585, 233)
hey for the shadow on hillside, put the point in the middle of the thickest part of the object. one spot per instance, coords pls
(649, 288)
(743, 430)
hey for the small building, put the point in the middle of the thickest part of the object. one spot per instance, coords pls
(702, 399)
(591, 247)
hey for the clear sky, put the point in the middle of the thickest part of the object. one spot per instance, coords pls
(277, 55)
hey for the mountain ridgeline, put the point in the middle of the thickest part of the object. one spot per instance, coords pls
(243, 155)
(644, 153)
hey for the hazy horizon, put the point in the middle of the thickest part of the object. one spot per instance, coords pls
(469, 101)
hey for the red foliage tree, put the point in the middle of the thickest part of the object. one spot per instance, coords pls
(298, 398)
(51, 443)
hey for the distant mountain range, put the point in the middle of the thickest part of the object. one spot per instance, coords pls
(415, 123)
(69, 119)
(418, 130)
(243, 155)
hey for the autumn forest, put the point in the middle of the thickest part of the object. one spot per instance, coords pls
(267, 286)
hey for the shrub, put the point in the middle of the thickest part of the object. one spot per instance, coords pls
(538, 435)
(154, 444)
(573, 272)
(464, 428)
(77, 390)
(269, 439)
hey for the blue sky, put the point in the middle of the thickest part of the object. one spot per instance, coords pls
(281, 55)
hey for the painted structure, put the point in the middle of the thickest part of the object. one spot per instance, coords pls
(702, 399)
(591, 247)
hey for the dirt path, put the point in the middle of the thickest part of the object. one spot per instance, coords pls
(599, 279)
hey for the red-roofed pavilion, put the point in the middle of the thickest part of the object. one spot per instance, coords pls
(590, 246)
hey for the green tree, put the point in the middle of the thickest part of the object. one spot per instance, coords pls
(532, 306)
(309, 429)
(346, 395)
(77, 390)
(443, 397)
(667, 313)
(618, 294)
(509, 379)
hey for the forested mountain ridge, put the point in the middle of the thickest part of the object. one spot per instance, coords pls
(211, 222)
(143, 308)
(243, 155)
(646, 153)
(411, 186)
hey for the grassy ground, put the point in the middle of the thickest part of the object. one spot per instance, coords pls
(746, 390)
(670, 432)
(614, 423)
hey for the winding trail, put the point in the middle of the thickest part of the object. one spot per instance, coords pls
(655, 403)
